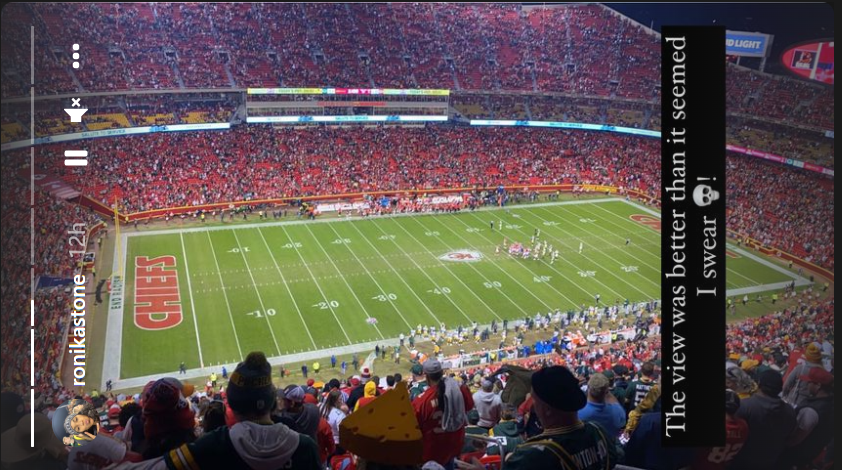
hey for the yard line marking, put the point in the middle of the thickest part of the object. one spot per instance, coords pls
(448, 269)
(659, 254)
(756, 283)
(483, 275)
(287, 286)
(610, 273)
(227, 303)
(438, 322)
(369, 275)
(525, 266)
(192, 303)
(342, 276)
(435, 284)
(318, 286)
(259, 297)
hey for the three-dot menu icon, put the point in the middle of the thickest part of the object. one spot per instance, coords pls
(75, 56)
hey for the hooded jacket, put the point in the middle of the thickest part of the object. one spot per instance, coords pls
(246, 445)
(369, 394)
(306, 420)
(489, 406)
(771, 421)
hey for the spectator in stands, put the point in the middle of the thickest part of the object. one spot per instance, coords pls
(369, 394)
(168, 419)
(441, 412)
(565, 439)
(815, 419)
(213, 416)
(47, 453)
(719, 458)
(419, 382)
(638, 389)
(304, 416)
(488, 405)
(358, 389)
(507, 427)
(771, 423)
(253, 441)
(334, 411)
(795, 389)
(602, 407)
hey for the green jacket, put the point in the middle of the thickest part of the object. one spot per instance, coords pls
(581, 447)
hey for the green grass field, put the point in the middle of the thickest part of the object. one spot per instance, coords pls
(284, 288)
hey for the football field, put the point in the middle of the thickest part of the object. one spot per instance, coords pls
(209, 295)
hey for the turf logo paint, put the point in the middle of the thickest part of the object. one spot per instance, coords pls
(462, 256)
(652, 222)
(157, 303)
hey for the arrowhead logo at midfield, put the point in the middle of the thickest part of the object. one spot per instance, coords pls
(462, 256)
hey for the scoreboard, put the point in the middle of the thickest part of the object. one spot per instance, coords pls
(345, 105)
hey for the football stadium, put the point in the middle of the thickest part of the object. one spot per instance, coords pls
(288, 218)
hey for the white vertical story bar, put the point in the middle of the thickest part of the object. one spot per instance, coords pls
(32, 418)
(32, 358)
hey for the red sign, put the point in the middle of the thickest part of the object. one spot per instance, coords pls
(812, 60)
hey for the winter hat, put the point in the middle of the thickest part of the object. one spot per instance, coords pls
(813, 353)
(771, 383)
(250, 389)
(559, 388)
(165, 410)
(366, 374)
(294, 393)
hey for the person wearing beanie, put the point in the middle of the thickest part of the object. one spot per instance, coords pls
(736, 434)
(305, 418)
(369, 394)
(795, 389)
(814, 419)
(419, 382)
(168, 419)
(441, 412)
(771, 422)
(603, 408)
(489, 405)
(253, 442)
(566, 441)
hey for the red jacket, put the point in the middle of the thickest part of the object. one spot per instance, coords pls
(439, 445)
(325, 440)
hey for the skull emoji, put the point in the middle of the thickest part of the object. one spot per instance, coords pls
(704, 195)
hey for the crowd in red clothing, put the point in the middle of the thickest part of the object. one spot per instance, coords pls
(779, 206)
(782, 207)
(52, 220)
(405, 45)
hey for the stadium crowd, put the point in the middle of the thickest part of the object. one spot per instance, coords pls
(52, 259)
(779, 206)
(401, 45)
(778, 370)
(165, 46)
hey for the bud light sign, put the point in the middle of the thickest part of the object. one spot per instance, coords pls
(746, 44)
